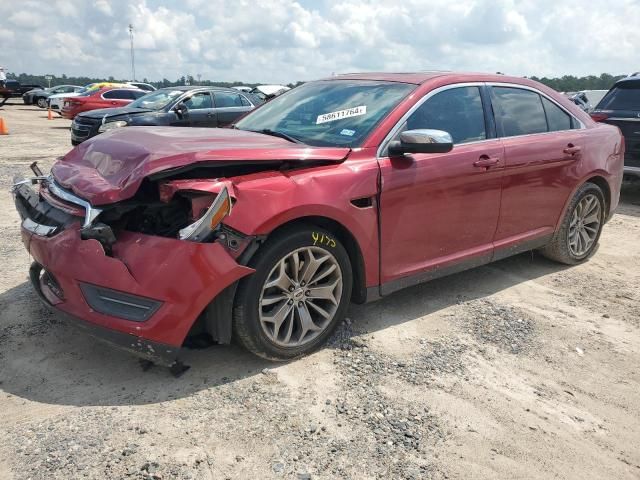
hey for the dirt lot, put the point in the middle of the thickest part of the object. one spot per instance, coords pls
(521, 369)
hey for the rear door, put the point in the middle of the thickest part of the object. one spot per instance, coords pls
(200, 110)
(230, 106)
(439, 212)
(621, 107)
(118, 97)
(543, 147)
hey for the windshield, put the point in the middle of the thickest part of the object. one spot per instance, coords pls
(156, 100)
(329, 112)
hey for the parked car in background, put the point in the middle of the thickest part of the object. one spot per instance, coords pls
(172, 106)
(18, 89)
(105, 97)
(243, 88)
(621, 107)
(267, 92)
(586, 99)
(55, 102)
(39, 97)
(13, 88)
(344, 189)
(142, 86)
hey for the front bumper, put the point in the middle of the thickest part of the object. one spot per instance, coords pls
(181, 277)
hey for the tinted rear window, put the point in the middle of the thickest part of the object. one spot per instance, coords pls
(625, 96)
(557, 118)
(518, 111)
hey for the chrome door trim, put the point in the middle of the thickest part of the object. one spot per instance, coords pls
(535, 90)
(393, 132)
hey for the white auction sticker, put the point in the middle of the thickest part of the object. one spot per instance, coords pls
(339, 115)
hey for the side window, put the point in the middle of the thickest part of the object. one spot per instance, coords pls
(137, 94)
(557, 118)
(456, 110)
(245, 102)
(118, 94)
(518, 111)
(198, 101)
(227, 99)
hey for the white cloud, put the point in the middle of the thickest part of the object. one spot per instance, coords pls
(24, 19)
(289, 40)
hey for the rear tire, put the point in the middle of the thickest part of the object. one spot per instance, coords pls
(577, 238)
(298, 295)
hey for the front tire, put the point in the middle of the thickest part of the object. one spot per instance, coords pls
(41, 102)
(298, 295)
(577, 238)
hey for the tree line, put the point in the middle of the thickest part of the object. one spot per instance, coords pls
(571, 83)
(71, 80)
(566, 83)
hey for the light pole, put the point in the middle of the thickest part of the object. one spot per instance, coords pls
(133, 65)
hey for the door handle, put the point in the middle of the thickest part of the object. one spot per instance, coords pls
(114, 103)
(486, 162)
(210, 114)
(572, 150)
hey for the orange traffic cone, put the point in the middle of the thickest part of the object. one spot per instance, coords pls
(3, 127)
(49, 115)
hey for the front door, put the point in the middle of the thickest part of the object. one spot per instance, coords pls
(439, 212)
(200, 111)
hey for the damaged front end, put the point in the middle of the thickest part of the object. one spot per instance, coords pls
(138, 273)
(128, 233)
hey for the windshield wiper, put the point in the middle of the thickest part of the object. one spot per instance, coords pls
(275, 133)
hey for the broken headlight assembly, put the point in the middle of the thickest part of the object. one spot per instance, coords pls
(202, 228)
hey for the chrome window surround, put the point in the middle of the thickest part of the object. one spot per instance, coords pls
(394, 131)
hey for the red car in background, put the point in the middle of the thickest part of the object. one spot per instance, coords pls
(106, 97)
(340, 190)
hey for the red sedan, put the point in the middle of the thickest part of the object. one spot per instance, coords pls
(344, 189)
(106, 97)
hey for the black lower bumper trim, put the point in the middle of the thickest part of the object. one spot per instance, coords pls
(158, 353)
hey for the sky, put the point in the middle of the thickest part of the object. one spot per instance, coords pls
(283, 41)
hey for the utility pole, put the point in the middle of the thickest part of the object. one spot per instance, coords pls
(199, 75)
(133, 64)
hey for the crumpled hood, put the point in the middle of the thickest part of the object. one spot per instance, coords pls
(110, 167)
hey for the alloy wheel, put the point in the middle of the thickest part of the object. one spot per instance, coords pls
(300, 296)
(585, 225)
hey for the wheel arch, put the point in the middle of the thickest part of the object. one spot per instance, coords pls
(597, 178)
(217, 317)
(601, 182)
(348, 240)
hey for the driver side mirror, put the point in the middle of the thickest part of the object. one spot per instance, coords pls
(180, 109)
(421, 141)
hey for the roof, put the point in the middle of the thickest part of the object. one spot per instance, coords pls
(404, 77)
(417, 78)
(187, 88)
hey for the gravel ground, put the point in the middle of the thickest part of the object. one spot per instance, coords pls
(520, 369)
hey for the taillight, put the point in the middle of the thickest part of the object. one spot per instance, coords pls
(599, 117)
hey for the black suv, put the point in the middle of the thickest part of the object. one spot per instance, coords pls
(188, 106)
(621, 107)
